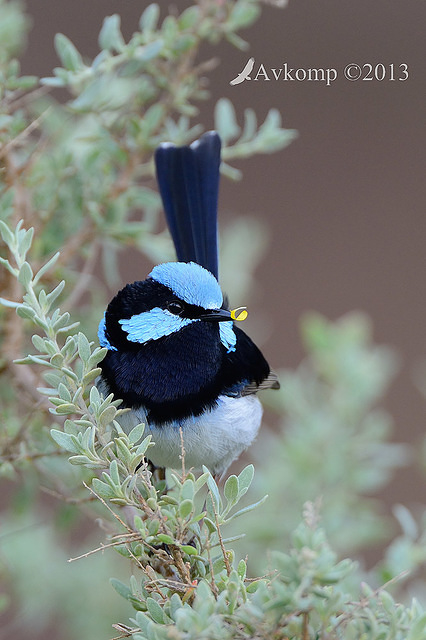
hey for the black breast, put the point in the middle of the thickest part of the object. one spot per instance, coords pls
(172, 377)
(183, 374)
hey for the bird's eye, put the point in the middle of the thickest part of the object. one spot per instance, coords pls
(175, 307)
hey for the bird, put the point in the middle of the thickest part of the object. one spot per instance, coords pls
(175, 355)
(245, 73)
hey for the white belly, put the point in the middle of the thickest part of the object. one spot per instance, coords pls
(213, 439)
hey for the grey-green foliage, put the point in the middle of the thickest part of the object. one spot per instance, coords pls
(335, 437)
(80, 175)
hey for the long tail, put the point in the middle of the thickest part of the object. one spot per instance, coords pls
(188, 178)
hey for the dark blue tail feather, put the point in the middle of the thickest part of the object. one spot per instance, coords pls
(188, 178)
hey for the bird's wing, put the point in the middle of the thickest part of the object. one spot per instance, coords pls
(271, 382)
(188, 179)
(245, 371)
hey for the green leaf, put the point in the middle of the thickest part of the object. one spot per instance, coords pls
(107, 416)
(231, 489)
(98, 354)
(213, 490)
(148, 52)
(136, 433)
(7, 235)
(25, 275)
(187, 548)
(242, 569)
(122, 589)
(110, 36)
(113, 471)
(163, 537)
(91, 376)
(95, 397)
(155, 610)
(225, 120)
(250, 125)
(245, 478)
(189, 17)
(247, 509)
(64, 440)
(24, 311)
(9, 267)
(387, 601)
(243, 14)
(55, 293)
(65, 409)
(200, 482)
(149, 18)
(153, 117)
(57, 360)
(219, 566)
(252, 587)
(53, 82)
(38, 342)
(185, 508)
(80, 459)
(211, 526)
(103, 489)
(237, 41)
(25, 242)
(10, 303)
(64, 392)
(84, 350)
(123, 452)
(49, 264)
(187, 490)
(418, 629)
(140, 451)
(175, 605)
(68, 54)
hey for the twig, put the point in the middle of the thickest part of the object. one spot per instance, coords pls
(75, 242)
(213, 586)
(116, 543)
(182, 454)
(84, 279)
(126, 631)
(116, 516)
(305, 625)
(363, 602)
(180, 565)
(11, 457)
(222, 546)
(61, 496)
(23, 134)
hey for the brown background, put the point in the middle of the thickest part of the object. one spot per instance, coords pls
(345, 202)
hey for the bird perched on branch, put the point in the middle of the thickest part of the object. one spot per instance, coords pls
(175, 355)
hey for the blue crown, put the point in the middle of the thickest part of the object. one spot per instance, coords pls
(190, 282)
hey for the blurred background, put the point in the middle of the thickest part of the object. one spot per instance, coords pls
(343, 205)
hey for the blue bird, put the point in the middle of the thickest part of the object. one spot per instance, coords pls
(175, 356)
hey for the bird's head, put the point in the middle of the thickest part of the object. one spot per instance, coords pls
(175, 295)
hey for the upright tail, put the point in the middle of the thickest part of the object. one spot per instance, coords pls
(188, 178)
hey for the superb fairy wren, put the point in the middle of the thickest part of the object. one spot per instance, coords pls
(175, 356)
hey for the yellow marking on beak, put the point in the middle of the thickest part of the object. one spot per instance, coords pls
(240, 313)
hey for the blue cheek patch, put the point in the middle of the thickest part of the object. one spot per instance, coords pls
(103, 340)
(152, 325)
(227, 335)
